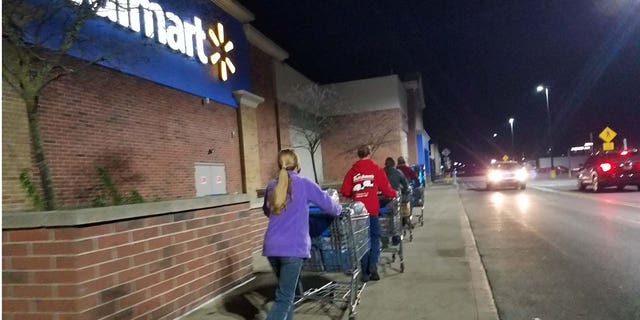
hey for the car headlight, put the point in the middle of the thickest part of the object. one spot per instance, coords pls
(521, 174)
(494, 175)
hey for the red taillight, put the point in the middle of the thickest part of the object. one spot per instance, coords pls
(605, 167)
(624, 152)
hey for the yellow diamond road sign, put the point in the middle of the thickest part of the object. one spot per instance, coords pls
(607, 146)
(607, 134)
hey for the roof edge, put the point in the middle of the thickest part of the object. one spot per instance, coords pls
(265, 44)
(236, 10)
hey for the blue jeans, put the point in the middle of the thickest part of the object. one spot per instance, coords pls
(287, 270)
(370, 259)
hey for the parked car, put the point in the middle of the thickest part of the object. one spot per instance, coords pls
(610, 169)
(506, 174)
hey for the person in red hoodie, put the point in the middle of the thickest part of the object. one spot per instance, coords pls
(362, 183)
(411, 175)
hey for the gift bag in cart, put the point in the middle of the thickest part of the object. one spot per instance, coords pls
(417, 201)
(337, 245)
(391, 230)
(406, 214)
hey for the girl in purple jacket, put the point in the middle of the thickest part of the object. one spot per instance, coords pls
(286, 241)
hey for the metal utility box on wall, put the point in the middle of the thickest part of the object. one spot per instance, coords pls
(210, 179)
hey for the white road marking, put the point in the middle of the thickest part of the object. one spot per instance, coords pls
(584, 196)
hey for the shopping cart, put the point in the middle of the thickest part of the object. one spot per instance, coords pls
(391, 227)
(337, 245)
(417, 201)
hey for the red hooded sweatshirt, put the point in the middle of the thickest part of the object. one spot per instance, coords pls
(362, 183)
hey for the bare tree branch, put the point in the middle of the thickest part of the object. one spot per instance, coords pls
(374, 138)
(312, 110)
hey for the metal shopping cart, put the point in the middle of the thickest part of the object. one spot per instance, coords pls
(391, 227)
(337, 245)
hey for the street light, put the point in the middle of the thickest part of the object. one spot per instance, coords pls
(540, 88)
(495, 134)
(511, 120)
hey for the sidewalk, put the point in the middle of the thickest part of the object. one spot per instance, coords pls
(443, 277)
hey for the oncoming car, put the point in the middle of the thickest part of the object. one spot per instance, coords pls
(506, 174)
(610, 169)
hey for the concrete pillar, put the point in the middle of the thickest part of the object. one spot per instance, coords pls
(248, 133)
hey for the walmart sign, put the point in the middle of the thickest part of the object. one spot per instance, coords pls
(191, 46)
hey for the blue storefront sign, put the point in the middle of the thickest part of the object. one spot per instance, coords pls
(192, 46)
(423, 151)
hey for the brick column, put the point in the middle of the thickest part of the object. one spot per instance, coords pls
(249, 150)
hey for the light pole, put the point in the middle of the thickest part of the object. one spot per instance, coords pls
(552, 171)
(511, 120)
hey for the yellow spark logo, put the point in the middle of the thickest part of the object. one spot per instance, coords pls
(225, 64)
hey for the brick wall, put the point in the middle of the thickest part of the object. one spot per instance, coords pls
(339, 148)
(259, 223)
(148, 137)
(146, 268)
(16, 149)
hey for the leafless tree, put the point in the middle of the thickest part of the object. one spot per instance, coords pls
(376, 138)
(312, 111)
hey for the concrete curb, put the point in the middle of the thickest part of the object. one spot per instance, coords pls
(485, 304)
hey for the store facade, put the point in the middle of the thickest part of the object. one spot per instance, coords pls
(188, 122)
(385, 112)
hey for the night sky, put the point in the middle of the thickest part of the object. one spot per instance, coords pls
(480, 61)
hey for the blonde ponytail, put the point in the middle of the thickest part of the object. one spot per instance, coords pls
(279, 195)
(287, 160)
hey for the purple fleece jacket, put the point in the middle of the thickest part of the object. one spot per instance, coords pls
(287, 233)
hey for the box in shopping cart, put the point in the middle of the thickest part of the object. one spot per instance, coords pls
(336, 257)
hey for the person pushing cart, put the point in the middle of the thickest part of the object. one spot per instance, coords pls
(362, 183)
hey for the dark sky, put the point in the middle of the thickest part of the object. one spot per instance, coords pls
(480, 61)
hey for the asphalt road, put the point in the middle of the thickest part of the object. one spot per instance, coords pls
(552, 252)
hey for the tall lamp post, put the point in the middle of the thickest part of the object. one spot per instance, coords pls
(511, 120)
(552, 171)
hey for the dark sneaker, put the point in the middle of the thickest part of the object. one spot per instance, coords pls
(374, 276)
(364, 278)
